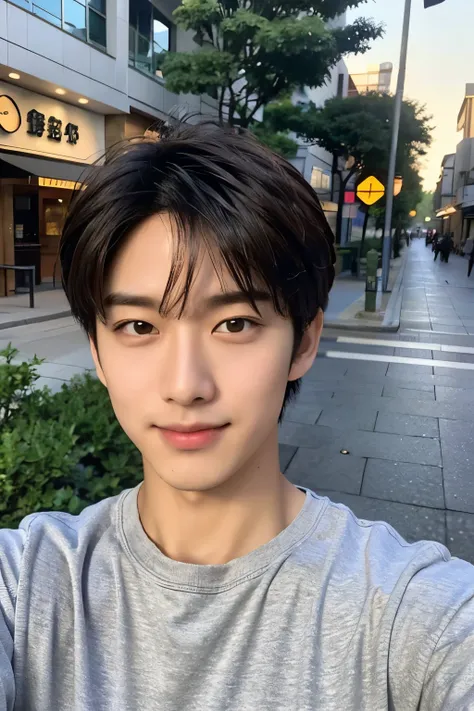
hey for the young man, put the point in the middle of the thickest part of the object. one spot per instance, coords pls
(199, 266)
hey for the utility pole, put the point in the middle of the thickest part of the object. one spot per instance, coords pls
(387, 234)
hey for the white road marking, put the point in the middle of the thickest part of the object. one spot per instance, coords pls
(399, 359)
(468, 350)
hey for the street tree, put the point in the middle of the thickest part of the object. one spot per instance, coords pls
(250, 52)
(357, 131)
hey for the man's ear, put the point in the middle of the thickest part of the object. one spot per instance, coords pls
(306, 353)
(96, 359)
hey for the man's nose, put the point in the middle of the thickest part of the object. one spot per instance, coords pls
(187, 374)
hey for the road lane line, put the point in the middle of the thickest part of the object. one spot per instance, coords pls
(467, 350)
(342, 355)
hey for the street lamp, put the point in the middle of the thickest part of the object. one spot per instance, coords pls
(397, 185)
(427, 219)
(412, 213)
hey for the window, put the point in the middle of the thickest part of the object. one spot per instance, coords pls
(320, 180)
(149, 37)
(85, 19)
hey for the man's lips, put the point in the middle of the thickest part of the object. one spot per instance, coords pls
(195, 436)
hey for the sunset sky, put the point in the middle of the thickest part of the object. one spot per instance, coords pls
(440, 64)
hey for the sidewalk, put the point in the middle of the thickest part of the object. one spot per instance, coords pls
(15, 310)
(346, 308)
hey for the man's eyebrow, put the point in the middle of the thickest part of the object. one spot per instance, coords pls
(226, 298)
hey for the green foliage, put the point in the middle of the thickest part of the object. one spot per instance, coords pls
(61, 451)
(250, 52)
(358, 127)
(276, 141)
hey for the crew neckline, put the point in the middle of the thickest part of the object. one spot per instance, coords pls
(192, 577)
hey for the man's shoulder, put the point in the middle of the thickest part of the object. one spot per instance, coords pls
(371, 551)
(41, 533)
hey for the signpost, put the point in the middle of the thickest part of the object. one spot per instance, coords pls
(370, 190)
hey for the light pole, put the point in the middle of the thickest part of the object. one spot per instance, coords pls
(387, 238)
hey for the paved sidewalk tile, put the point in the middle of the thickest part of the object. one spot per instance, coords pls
(413, 523)
(306, 413)
(427, 393)
(405, 483)
(407, 425)
(460, 535)
(340, 417)
(363, 444)
(457, 444)
(286, 454)
(321, 469)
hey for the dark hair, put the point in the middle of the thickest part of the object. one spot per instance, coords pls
(225, 190)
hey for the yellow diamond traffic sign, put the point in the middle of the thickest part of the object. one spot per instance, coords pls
(370, 190)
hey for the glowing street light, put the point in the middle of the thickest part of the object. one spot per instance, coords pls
(412, 213)
(397, 185)
(427, 219)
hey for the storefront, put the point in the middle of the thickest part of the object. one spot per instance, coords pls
(46, 148)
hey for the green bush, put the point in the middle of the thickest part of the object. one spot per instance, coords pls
(58, 451)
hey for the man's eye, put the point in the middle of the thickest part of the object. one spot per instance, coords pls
(235, 325)
(136, 328)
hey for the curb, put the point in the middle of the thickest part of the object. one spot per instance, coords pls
(394, 306)
(391, 321)
(34, 319)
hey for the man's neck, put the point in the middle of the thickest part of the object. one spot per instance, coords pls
(212, 528)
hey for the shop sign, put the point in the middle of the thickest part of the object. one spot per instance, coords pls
(10, 122)
(37, 124)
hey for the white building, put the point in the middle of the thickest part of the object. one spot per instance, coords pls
(75, 77)
(454, 198)
(314, 162)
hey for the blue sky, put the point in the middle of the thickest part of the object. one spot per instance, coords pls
(440, 64)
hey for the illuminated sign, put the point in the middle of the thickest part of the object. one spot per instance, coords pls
(10, 117)
(10, 122)
(54, 183)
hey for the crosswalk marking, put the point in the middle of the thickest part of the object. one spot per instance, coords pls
(456, 365)
(407, 344)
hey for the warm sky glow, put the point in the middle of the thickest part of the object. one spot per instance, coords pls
(440, 64)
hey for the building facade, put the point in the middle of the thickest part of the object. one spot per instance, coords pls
(75, 78)
(376, 78)
(454, 197)
(315, 163)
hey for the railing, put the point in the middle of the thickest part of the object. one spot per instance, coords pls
(31, 280)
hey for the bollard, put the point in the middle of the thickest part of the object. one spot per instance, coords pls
(371, 280)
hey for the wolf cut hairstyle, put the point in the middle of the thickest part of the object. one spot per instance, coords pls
(253, 212)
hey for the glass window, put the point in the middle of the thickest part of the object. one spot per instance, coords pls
(47, 16)
(75, 19)
(132, 44)
(26, 4)
(98, 5)
(53, 7)
(153, 38)
(97, 28)
(85, 19)
(161, 35)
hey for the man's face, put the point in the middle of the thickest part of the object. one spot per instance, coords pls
(221, 367)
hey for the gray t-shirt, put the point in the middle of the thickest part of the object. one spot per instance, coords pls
(334, 614)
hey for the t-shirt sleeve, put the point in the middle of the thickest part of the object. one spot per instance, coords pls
(11, 552)
(431, 659)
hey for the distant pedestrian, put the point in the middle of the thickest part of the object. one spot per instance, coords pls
(471, 263)
(446, 246)
(436, 246)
